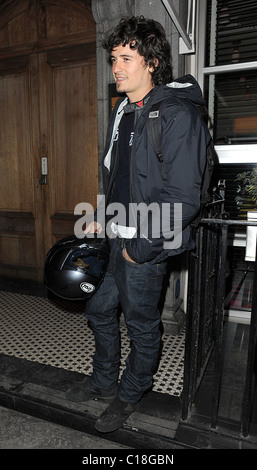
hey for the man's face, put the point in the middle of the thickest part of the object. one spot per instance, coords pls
(131, 74)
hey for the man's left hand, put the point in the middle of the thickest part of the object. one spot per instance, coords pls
(126, 256)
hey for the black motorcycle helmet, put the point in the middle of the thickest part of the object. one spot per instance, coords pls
(75, 268)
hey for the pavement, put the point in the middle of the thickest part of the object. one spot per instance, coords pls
(21, 431)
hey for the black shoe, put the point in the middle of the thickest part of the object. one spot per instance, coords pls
(84, 391)
(114, 415)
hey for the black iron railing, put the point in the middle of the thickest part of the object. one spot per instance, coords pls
(205, 318)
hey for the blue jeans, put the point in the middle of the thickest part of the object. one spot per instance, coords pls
(137, 288)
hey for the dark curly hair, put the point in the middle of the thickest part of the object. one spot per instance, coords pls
(148, 37)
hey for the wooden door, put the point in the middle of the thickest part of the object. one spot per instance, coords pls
(48, 111)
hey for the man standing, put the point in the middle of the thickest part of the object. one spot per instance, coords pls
(133, 175)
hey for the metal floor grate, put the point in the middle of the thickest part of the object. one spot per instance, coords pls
(56, 333)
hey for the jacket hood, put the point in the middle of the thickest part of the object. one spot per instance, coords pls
(184, 87)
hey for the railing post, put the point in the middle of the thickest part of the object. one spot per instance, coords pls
(249, 382)
(221, 279)
(192, 337)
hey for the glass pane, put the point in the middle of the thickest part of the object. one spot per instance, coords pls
(239, 283)
(238, 199)
(233, 107)
(231, 31)
(239, 286)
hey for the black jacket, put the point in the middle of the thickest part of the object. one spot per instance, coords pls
(176, 180)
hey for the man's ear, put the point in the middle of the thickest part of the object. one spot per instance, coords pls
(151, 68)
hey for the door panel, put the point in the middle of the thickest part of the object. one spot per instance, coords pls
(18, 129)
(74, 136)
(16, 174)
(72, 123)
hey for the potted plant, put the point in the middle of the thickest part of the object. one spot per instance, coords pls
(248, 183)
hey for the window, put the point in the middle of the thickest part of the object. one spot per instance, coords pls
(230, 77)
(227, 72)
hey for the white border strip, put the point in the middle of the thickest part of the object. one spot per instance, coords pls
(237, 153)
